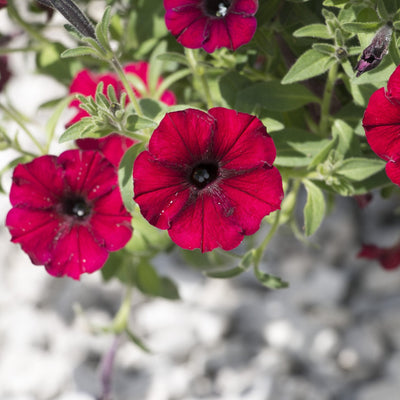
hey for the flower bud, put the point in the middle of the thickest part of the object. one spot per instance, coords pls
(373, 54)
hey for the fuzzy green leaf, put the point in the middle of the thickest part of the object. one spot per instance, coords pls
(313, 30)
(314, 209)
(358, 168)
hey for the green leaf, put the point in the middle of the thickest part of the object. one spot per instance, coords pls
(79, 52)
(314, 209)
(230, 84)
(156, 66)
(245, 263)
(125, 179)
(147, 279)
(173, 57)
(313, 30)
(273, 96)
(270, 281)
(324, 48)
(77, 130)
(322, 155)
(309, 64)
(135, 123)
(361, 27)
(272, 125)
(394, 50)
(102, 29)
(358, 169)
(135, 339)
(168, 289)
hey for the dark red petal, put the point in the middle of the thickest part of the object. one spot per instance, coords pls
(168, 4)
(217, 36)
(204, 225)
(240, 29)
(195, 34)
(35, 230)
(168, 98)
(389, 258)
(161, 192)
(382, 125)
(241, 140)
(393, 171)
(393, 87)
(112, 147)
(88, 173)
(75, 253)
(84, 83)
(182, 137)
(140, 68)
(37, 184)
(177, 20)
(244, 7)
(253, 196)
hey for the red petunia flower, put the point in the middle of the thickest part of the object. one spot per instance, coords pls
(208, 177)
(3, 3)
(211, 24)
(382, 125)
(389, 258)
(5, 73)
(67, 212)
(85, 83)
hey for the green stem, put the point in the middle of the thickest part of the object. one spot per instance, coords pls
(260, 249)
(190, 55)
(25, 129)
(121, 75)
(326, 100)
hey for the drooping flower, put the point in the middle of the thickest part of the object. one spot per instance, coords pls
(389, 257)
(211, 24)
(381, 123)
(85, 83)
(208, 177)
(67, 212)
(5, 73)
(3, 3)
(374, 53)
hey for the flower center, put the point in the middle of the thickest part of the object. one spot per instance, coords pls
(217, 8)
(203, 174)
(76, 207)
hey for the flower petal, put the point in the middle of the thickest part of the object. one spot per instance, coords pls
(240, 29)
(161, 192)
(241, 140)
(217, 35)
(37, 184)
(203, 225)
(76, 252)
(35, 230)
(182, 137)
(249, 7)
(382, 125)
(393, 171)
(190, 35)
(168, 4)
(393, 87)
(253, 196)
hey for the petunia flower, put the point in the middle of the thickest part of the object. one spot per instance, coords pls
(389, 258)
(85, 83)
(208, 177)
(3, 3)
(67, 212)
(211, 24)
(381, 123)
(5, 73)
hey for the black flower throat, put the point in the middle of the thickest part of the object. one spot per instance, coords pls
(203, 174)
(217, 8)
(76, 206)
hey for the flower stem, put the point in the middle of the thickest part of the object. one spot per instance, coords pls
(326, 100)
(260, 249)
(121, 75)
(199, 73)
(15, 118)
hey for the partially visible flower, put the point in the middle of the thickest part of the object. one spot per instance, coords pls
(67, 212)
(85, 83)
(112, 147)
(208, 177)
(374, 53)
(3, 3)
(5, 73)
(389, 257)
(381, 123)
(211, 24)
(363, 199)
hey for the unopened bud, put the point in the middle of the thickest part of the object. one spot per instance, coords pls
(373, 54)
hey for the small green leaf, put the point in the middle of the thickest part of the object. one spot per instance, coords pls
(102, 29)
(270, 281)
(245, 263)
(274, 96)
(173, 57)
(272, 125)
(79, 52)
(361, 27)
(314, 209)
(358, 169)
(322, 155)
(309, 64)
(135, 339)
(313, 30)
(324, 48)
(77, 130)
(394, 50)
(125, 179)
(135, 123)
(230, 84)
(156, 66)
(168, 289)
(147, 279)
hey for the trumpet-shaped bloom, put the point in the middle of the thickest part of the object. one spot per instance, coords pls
(211, 24)
(208, 177)
(382, 125)
(85, 83)
(67, 212)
